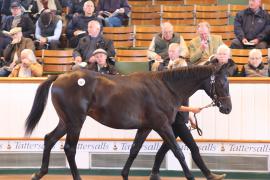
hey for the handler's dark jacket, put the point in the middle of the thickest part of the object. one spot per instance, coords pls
(231, 66)
(27, 25)
(182, 117)
(87, 45)
(250, 25)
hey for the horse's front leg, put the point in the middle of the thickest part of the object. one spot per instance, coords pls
(167, 135)
(49, 141)
(135, 148)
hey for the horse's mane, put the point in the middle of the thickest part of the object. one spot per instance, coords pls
(186, 73)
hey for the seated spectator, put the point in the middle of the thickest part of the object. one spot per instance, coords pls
(53, 5)
(158, 49)
(77, 27)
(75, 8)
(255, 66)
(12, 52)
(251, 26)
(114, 12)
(175, 59)
(101, 64)
(222, 57)
(18, 19)
(48, 31)
(204, 45)
(88, 44)
(29, 67)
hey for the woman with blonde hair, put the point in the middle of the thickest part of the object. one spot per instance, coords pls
(29, 67)
(255, 66)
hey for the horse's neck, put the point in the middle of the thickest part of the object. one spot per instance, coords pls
(184, 88)
(189, 87)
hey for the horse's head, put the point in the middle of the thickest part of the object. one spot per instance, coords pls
(217, 87)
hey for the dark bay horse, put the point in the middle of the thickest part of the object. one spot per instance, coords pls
(142, 101)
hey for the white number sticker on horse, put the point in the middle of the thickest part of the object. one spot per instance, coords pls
(81, 82)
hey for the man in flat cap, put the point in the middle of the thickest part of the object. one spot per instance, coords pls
(101, 63)
(13, 51)
(19, 19)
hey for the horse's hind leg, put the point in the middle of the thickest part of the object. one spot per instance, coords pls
(167, 135)
(49, 141)
(158, 160)
(135, 148)
(73, 133)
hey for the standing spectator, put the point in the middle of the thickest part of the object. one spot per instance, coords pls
(158, 49)
(251, 26)
(88, 44)
(48, 30)
(204, 45)
(113, 11)
(18, 19)
(29, 67)
(101, 63)
(12, 52)
(222, 57)
(255, 66)
(77, 27)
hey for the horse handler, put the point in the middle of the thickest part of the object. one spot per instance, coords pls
(180, 128)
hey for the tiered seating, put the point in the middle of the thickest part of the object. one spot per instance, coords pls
(183, 15)
(225, 31)
(188, 32)
(240, 56)
(131, 60)
(144, 35)
(140, 2)
(215, 15)
(202, 2)
(168, 2)
(133, 55)
(121, 36)
(145, 15)
(55, 61)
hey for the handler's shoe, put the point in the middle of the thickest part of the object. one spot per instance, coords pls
(213, 176)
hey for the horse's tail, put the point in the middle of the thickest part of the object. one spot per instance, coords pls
(39, 104)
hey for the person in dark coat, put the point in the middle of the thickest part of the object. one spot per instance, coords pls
(77, 27)
(101, 64)
(251, 26)
(18, 19)
(88, 44)
(75, 8)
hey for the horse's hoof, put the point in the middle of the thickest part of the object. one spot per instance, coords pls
(154, 177)
(213, 176)
(35, 177)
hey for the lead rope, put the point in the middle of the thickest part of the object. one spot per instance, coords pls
(199, 130)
